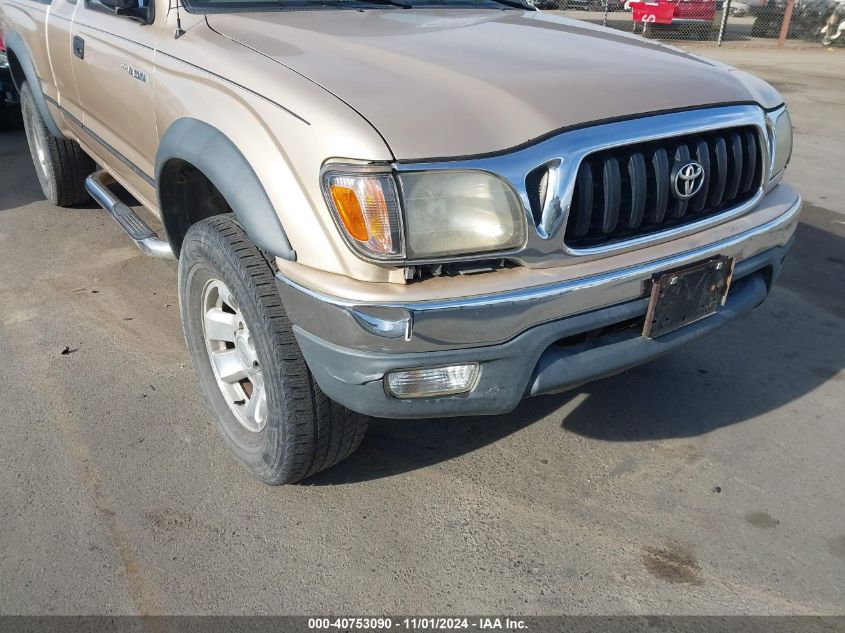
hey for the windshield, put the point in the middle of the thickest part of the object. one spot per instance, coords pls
(236, 6)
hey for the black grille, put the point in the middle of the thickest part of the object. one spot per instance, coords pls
(626, 192)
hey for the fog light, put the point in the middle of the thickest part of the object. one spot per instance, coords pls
(432, 381)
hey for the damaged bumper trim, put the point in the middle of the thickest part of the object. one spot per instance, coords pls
(494, 319)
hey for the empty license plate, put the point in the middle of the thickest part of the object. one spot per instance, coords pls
(686, 295)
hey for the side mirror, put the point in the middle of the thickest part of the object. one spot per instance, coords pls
(140, 10)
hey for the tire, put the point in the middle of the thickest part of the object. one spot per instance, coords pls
(60, 163)
(303, 431)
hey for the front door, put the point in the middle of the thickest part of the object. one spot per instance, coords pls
(113, 59)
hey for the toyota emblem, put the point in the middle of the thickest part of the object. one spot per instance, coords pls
(688, 180)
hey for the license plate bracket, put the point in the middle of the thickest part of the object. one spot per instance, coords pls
(686, 295)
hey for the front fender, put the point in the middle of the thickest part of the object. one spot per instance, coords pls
(15, 44)
(216, 156)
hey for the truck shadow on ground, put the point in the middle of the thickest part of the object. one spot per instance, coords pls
(19, 182)
(20, 185)
(790, 346)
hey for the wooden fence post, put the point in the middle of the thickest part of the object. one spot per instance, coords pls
(787, 18)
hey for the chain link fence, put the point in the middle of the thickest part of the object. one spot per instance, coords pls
(819, 21)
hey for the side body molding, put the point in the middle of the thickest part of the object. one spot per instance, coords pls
(209, 150)
(16, 45)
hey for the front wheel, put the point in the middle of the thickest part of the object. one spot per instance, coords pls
(267, 406)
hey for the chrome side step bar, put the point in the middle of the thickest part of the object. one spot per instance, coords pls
(144, 237)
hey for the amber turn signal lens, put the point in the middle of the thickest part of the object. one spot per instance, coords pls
(366, 207)
(350, 212)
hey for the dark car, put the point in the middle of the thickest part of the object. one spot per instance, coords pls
(592, 5)
(807, 17)
(10, 112)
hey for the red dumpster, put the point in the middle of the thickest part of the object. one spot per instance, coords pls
(694, 11)
(653, 13)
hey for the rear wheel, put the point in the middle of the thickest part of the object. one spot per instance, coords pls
(266, 404)
(60, 163)
(826, 39)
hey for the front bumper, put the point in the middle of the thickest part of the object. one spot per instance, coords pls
(530, 341)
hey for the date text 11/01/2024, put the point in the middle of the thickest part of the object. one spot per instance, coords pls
(416, 624)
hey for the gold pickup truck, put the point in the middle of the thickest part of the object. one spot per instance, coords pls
(406, 208)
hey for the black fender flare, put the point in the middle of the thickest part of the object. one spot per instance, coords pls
(16, 45)
(218, 158)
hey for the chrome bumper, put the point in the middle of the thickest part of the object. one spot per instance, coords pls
(491, 319)
(548, 358)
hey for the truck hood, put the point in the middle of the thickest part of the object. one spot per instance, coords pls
(444, 83)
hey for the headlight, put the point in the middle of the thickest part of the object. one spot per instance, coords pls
(780, 131)
(446, 213)
(460, 213)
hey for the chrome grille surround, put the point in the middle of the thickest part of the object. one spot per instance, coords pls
(564, 152)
